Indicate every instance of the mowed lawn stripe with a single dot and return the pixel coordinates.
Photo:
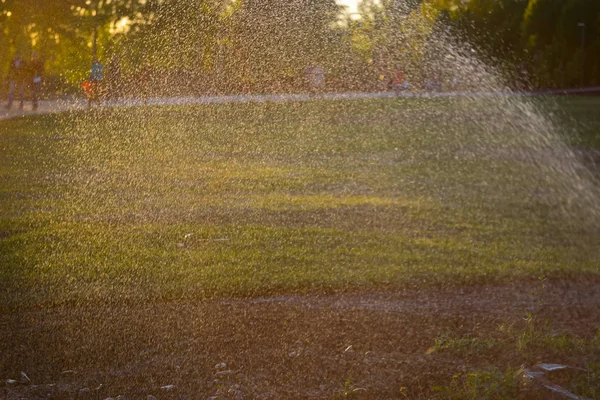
(238, 200)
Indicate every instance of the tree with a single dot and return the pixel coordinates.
(65, 32)
(275, 40)
(553, 37)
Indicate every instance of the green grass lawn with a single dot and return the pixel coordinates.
(295, 197)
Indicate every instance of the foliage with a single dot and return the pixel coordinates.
(267, 45)
(463, 345)
(536, 42)
(483, 385)
(64, 32)
(522, 344)
(276, 40)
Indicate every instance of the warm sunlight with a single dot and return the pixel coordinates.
(121, 26)
(351, 4)
(299, 199)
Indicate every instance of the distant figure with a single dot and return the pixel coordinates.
(316, 78)
(398, 81)
(428, 85)
(36, 72)
(97, 71)
(113, 72)
(145, 83)
(454, 84)
(17, 73)
(437, 83)
(93, 86)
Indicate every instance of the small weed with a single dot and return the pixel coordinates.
(588, 383)
(538, 336)
(349, 391)
(462, 345)
(483, 385)
(521, 346)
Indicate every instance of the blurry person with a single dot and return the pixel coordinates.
(36, 71)
(437, 82)
(97, 72)
(316, 78)
(319, 78)
(93, 86)
(145, 82)
(308, 74)
(398, 81)
(113, 78)
(454, 84)
(144, 78)
(17, 73)
(428, 85)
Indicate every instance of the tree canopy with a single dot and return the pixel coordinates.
(242, 45)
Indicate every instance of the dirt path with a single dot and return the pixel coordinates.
(272, 348)
(55, 106)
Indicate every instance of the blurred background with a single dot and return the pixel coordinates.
(190, 47)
